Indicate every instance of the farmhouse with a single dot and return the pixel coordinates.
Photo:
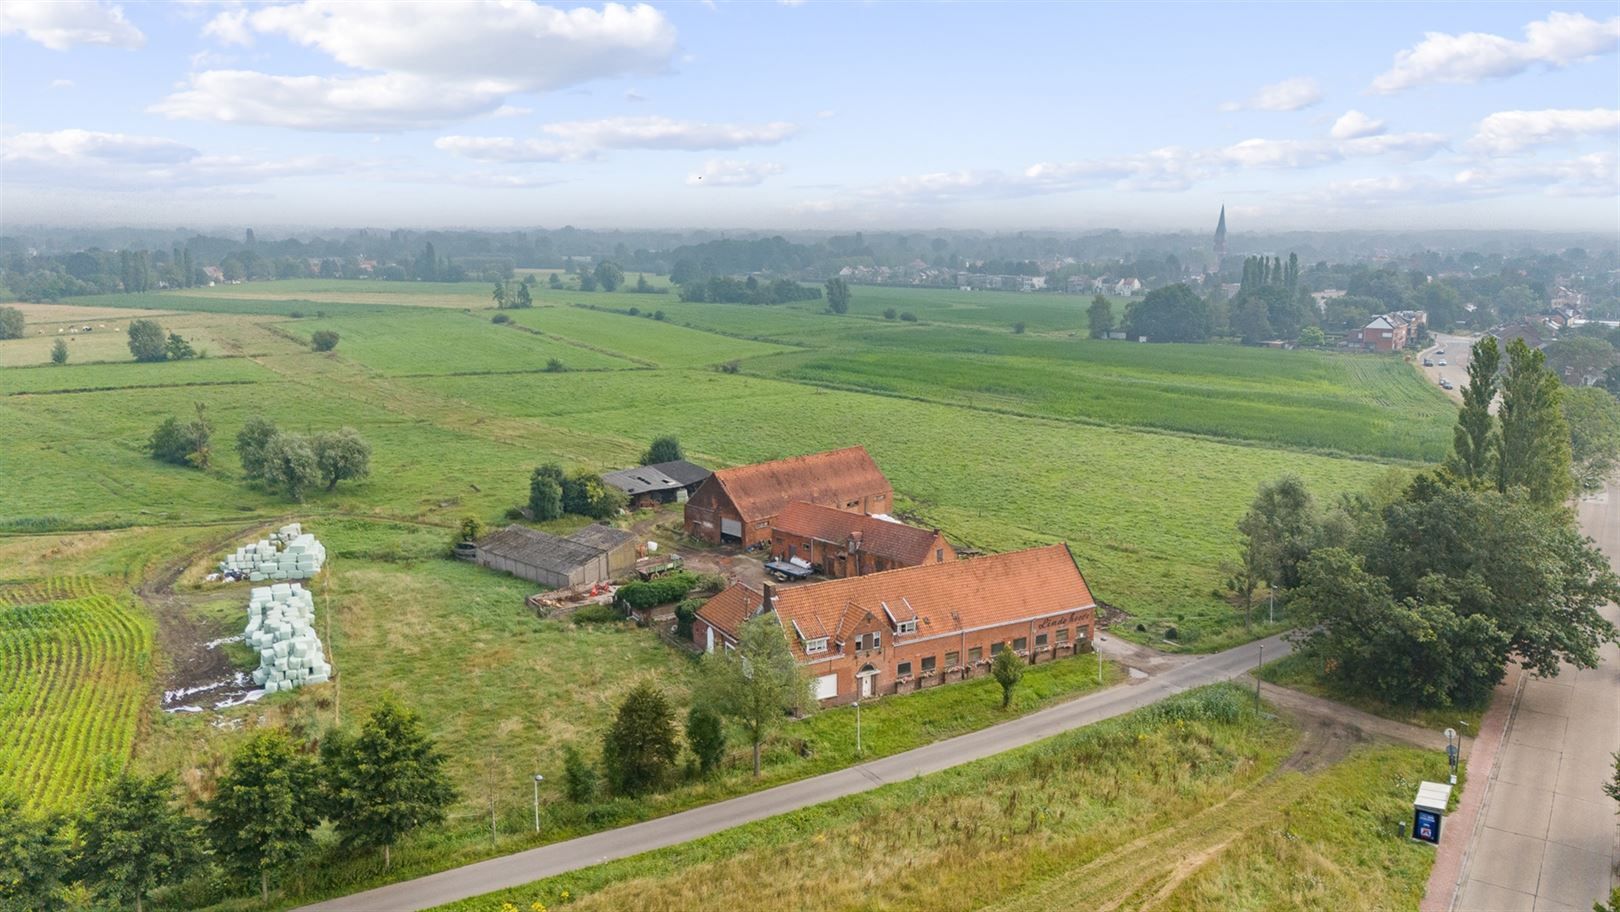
(918, 626)
(740, 504)
(662, 482)
(838, 543)
(592, 554)
(1390, 332)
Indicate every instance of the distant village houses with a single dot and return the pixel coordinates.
(1390, 332)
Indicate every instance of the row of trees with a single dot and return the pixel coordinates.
(582, 493)
(148, 343)
(374, 786)
(728, 290)
(293, 464)
(1421, 593)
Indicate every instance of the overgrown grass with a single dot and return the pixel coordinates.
(1304, 673)
(1147, 806)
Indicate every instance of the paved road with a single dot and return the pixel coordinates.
(1456, 350)
(1549, 837)
(546, 861)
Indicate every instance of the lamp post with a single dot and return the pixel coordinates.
(857, 728)
(1271, 610)
(1451, 752)
(537, 780)
(1460, 736)
(1257, 666)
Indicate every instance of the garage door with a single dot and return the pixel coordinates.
(826, 687)
(731, 527)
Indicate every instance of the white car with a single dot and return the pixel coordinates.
(1439, 351)
(1441, 362)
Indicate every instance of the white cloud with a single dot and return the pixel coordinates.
(825, 113)
(345, 104)
(727, 173)
(119, 161)
(666, 133)
(632, 95)
(1597, 174)
(61, 24)
(1555, 42)
(1354, 125)
(61, 83)
(507, 149)
(1288, 95)
(1506, 132)
(420, 64)
(230, 27)
(507, 110)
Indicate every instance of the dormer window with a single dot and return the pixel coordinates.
(817, 645)
(906, 627)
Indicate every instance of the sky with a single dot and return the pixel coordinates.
(825, 115)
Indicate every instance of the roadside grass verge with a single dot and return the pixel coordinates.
(1141, 810)
(1304, 673)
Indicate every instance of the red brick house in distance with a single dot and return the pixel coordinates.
(838, 543)
(740, 504)
(915, 627)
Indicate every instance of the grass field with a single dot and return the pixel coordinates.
(1197, 804)
(75, 671)
(1304, 673)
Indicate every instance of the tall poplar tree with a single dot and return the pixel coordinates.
(1475, 442)
(1535, 451)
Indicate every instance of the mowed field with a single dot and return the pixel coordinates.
(1198, 804)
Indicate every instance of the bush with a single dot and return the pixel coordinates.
(908, 317)
(59, 352)
(554, 366)
(177, 348)
(500, 318)
(579, 777)
(183, 444)
(585, 494)
(251, 441)
(663, 449)
(1018, 328)
(640, 596)
(323, 340)
(545, 493)
(731, 367)
(639, 748)
(711, 583)
(707, 738)
(685, 613)
(890, 313)
(472, 529)
(597, 614)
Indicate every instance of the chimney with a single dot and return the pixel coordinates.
(855, 540)
(768, 603)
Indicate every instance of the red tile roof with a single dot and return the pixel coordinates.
(727, 611)
(898, 542)
(833, 478)
(958, 595)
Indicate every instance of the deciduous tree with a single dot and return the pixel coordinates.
(384, 782)
(545, 492)
(264, 807)
(341, 455)
(34, 858)
(1100, 316)
(1008, 669)
(290, 466)
(12, 325)
(146, 340)
(1281, 527)
(609, 275)
(1535, 452)
(837, 295)
(252, 442)
(1476, 442)
(706, 735)
(59, 352)
(1170, 314)
(663, 449)
(1593, 417)
(135, 839)
(323, 340)
(757, 683)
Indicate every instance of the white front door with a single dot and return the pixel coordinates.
(866, 685)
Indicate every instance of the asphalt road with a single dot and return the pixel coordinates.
(1456, 350)
(1549, 838)
(557, 858)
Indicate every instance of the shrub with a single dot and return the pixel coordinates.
(685, 613)
(579, 777)
(555, 366)
(707, 738)
(251, 442)
(545, 493)
(663, 449)
(182, 444)
(323, 340)
(585, 494)
(59, 352)
(908, 317)
(472, 529)
(1018, 328)
(640, 596)
(500, 318)
(658, 315)
(634, 311)
(711, 583)
(731, 367)
(177, 348)
(890, 313)
(597, 614)
(639, 748)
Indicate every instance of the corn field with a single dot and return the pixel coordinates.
(74, 669)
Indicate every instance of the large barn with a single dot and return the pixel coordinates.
(918, 626)
(838, 543)
(591, 555)
(661, 482)
(740, 504)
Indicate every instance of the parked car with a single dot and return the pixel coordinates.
(1428, 363)
(1439, 351)
(1441, 362)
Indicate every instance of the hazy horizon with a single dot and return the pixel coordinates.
(786, 117)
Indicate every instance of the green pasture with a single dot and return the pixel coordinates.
(640, 339)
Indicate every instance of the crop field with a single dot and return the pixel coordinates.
(1040, 312)
(349, 291)
(1196, 804)
(435, 342)
(74, 682)
(130, 375)
(208, 333)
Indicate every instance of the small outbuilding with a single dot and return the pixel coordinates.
(838, 543)
(591, 555)
(661, 482)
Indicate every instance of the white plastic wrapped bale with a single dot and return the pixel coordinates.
(288, 554)
(281, 626)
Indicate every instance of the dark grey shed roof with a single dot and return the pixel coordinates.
(687, 473)
(662, 476)
(603, 538)
(539, 549)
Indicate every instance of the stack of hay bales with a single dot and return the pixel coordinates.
(281, 626)
(288, 554)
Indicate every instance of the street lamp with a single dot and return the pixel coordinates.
(1258, 664)
(1465, 728)
(857, 728)
(1451, 752)
(537, 780)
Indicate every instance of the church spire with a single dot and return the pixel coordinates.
(1220, 234)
